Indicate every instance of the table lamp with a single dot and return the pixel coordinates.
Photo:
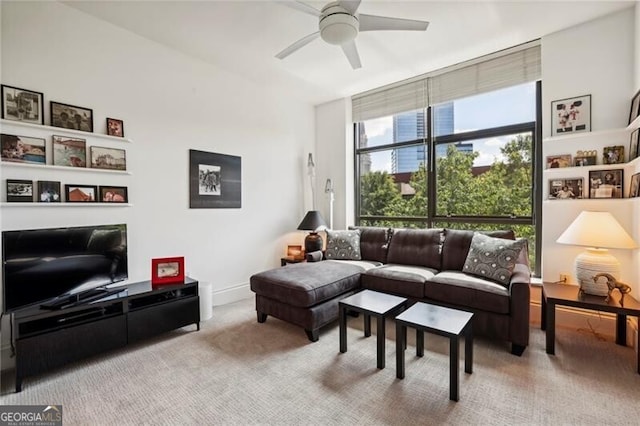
(313, 222)
(598, 231)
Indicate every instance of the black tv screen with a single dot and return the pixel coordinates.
(41, 264)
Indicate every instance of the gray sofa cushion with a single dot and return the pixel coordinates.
(374, 243)
(468, 291)
(403, 280)
(493, 258)
(456, 246)
(307, 284)
(343, 245)
(420, 247)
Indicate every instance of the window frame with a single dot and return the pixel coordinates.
(430, 142)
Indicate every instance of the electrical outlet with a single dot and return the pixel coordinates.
(564, 278)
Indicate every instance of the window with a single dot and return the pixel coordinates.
(480, 175)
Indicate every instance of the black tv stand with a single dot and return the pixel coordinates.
(67, 330)
(83, 297)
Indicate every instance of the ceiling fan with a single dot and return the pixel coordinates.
(340, 23)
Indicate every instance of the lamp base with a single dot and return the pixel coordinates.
(592, 262)
(312, 242)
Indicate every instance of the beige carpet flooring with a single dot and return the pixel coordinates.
(236, 371)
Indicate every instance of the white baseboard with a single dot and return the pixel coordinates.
(602, 322)
(233, 294)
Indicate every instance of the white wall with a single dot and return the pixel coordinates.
(334, 147)
(170, 103)
(594, 58)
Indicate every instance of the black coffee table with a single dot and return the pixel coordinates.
(369, 303)
(451, 323)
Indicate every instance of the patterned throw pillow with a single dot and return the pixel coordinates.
(343, 245)
(493, 258)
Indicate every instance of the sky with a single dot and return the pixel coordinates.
(503, 107)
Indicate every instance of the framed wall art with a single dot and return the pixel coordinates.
(71, 117)
(19, 191)
(558, 161)
(605, 183)
(108, 158)
(571, 115)
(23, 149)
(613, 154)
(635, 107)
(49, 192)
(215, 180)
(633, 144)
(115, 127)
(22, 105)
(634, 189)
(113, 194)
(80, 193)
(167, 270)
(565, 189)
(68, 151)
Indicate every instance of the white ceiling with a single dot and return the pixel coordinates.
(242, 37)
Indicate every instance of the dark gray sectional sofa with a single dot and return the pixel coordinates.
(421, 265)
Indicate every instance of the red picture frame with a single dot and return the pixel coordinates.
(167, 270)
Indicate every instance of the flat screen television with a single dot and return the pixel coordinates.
(41, 265)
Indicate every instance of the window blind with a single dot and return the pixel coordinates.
(497, 73)
(400, 98)
(518, 65)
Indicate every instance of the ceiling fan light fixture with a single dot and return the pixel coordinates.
(337, 26)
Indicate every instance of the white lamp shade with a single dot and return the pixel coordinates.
(597, 229)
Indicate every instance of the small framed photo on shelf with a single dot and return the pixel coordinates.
(23, 149)
(565, 189)
(635, 107)
(80, 193)
(167, 270)
(71, 117)
(115, 127)
(634, 189)
(571, 115)
(113, 194)
(633, 145)
(558, 161)
(584, 161)
(605, 183)
(295, 252)
(22, 105)
(49, 191)
(108, 158)
(70, 152)
(19, 191)
(613, 155)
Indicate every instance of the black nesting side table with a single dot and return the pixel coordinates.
(370, 303)
(451, 323)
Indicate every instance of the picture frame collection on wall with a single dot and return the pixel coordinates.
(27, 106)
(27, 191)
(65, 150)
(573, 115)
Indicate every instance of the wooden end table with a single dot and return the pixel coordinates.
(369, 303)
(562, 294)
(290, 259)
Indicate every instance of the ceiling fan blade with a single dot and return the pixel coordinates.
(383, 23)
(351, 51)
(350, 5)
(302, 7)
(297, 45)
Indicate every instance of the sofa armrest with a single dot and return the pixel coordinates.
(519, 306)
(314, 256)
